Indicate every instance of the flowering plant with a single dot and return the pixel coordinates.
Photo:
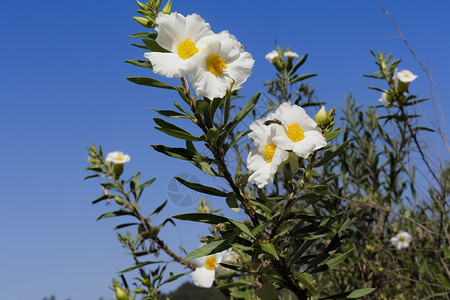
(289, 188)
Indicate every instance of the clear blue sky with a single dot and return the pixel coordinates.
(62, 87)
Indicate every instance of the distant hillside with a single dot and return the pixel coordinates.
(188, 291)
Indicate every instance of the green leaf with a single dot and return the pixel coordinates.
(150, 35)
(267, 292)
(350, 295)
(91, 176)
(306, 279)
(114, 214)
(298, 64)
(181, 153)
(330, 154)
(173, 277)
(139, 189)
(204, 108)
(332, 134)
(201, 217)
(150, 82)
(104, 197)
(139, 46)
(180, 134)
(333, 262)
(110, 185)
(376, 89)
(211, 248)
(171, 114)
(260, 205)
(241, 295)
(270, 248)
(259, 229)
(158, 209)
(240, 116)
(140, 265)
(125, 225)
(202, 188)
(140, 63)
(153, 46)
(423, 128)
(301, 78)
(238, 171)
(167, 125)
(226, 107)
(232, 202)
(243, 228)
(237, 283)
(236, 139)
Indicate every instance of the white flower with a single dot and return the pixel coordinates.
(300, 133)
(405, 76)
(401, 240)
(181, 36)
(290, 54)
(272, 55)
(223, 64)
(208, 267)
(265, 157)
(383, 98)
(117, 157)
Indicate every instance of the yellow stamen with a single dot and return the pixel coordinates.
(269, 151)
(406, 75)
(210, 263)
(401, 239)
(119, 158)
(295, 132)
(215, 64)
(187, 49)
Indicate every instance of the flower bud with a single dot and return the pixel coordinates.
(167, 8)
(322, 117)
(118, 200)
(307, 176)
(142, 5)
(145, 22)
(121, 294)
(118, 169)
(206, 239)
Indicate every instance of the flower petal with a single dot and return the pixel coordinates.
(283, 142)
(171, 30)
(241, 68)
(312, 141)
(196, 28)
(203, 277)
(167, 64)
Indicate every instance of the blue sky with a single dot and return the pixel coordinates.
(63, 86)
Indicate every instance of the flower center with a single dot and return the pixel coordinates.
(269, 151)
(210, 263)
(406, 75)
(186, 49)
(119, 158)
(215, 64)
(401, 239)
(295, 133)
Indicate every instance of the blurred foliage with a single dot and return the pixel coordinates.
(188, 291)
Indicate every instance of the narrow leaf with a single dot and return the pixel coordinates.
(150, 82)
(202, 188)
(243, 228)
(140, 63)
(201, 217)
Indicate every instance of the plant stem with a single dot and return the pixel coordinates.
(147, 227)
(280, 266)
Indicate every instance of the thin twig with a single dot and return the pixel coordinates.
(442, 132)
